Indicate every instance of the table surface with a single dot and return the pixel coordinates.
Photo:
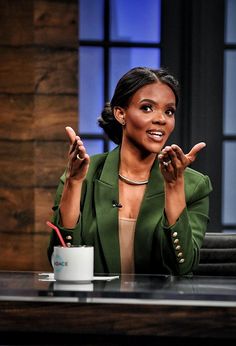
(126, 310)
(126, 289)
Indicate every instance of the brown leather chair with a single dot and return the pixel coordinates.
(218, 255)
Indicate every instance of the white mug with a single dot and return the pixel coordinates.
(75, 264)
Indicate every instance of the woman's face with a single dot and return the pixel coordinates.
(150, 117)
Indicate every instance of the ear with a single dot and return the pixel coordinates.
(119, 114)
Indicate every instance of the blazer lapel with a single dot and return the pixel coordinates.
(151, 211)
(106, 190)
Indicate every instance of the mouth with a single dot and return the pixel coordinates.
(156, 135)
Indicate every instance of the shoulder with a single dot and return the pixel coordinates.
(193, 175)
(197, 183)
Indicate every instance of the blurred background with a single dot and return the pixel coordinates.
(59, 63)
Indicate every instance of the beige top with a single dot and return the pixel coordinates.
(126, 238)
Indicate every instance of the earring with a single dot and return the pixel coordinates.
(123, 121)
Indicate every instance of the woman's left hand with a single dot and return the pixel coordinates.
(173, 161)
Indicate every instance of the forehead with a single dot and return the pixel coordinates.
(157, 92)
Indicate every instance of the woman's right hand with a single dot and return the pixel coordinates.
(78, 159)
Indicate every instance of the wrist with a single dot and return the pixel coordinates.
(71, 183)
(175, 184)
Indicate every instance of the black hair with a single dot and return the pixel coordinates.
(126, 87)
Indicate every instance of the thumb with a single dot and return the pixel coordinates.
(71, 134)
(194, 151)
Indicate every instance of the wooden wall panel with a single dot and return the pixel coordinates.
(56, 25)
(38, 98)
(17, 211)
(17, 164)
(23, 251)
(60, 110)
(54, 22)
(17, 70)
(17, 118)
(38, 70)
(43, 208)
(16, 22)
(23, 116)
(56, 71)
(50, 162)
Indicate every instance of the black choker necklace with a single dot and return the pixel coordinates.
(132, 182)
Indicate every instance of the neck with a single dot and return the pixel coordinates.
(134, 165)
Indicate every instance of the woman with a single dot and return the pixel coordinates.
(140, 206)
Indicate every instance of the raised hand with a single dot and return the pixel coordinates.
(173, 161)
(78, 159)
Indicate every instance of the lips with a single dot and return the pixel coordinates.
(156, 135)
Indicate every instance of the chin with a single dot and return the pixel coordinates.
(155, 149)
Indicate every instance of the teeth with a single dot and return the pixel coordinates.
(156, 133)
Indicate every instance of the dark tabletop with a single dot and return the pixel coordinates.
(142, 289)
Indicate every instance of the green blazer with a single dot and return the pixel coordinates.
(158, 248)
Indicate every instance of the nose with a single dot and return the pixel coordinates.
(159, 118)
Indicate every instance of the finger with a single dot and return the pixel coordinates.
(179, 153)
(79, 168)
(171, 159)
(80, 152)
(165, 165)
(71, 134)
(83, 159)
(194, 151)
(163, 158)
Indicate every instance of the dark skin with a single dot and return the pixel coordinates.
(147, 123)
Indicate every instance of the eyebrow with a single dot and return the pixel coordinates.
(172, 104)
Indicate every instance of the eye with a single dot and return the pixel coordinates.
(170, 112)
(147, 108)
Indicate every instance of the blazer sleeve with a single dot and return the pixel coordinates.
(71, 236)
(180, 244)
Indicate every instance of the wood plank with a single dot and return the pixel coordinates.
(56, 71)
(24, 251)
(17, 164)
(16, 23)
(180, 324)
(38, 70)
(40, 116)
(44, 200)
(25, 164)
(44, 22)
(50, 162)
(26, 209)
(52, 113)
(17, 210)
(17, 70)
(55, 23)
(17, 110)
